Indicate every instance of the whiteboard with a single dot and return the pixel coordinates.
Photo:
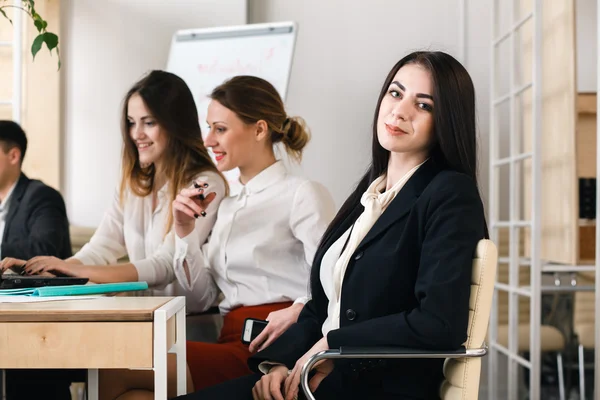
(205, 58)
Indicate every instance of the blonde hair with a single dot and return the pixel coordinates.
(254, 99)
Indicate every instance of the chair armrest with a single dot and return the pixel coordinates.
(381, 352)
(403, 352)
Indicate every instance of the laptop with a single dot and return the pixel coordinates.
(14, 278)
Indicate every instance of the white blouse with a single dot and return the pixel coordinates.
(135, 230)
(262, 245)
(326, 275)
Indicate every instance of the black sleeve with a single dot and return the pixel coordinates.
(454, 224)
(47, 223)
(294, 342)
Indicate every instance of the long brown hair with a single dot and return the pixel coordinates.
(253, 99)
(171, 103)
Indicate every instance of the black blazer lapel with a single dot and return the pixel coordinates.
(403, 201)
(15, 199)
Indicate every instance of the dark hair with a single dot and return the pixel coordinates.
(12, 135)
(253, 99)
(454, 127)
(171, 103)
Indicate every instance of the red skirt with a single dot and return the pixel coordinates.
(214, 363)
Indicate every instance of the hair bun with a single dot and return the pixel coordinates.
(295, 135)
(285, 128)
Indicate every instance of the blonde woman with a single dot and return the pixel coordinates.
(261, 249)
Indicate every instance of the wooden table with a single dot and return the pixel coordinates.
(93, 334)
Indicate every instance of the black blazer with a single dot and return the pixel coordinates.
(407, 285)
(37, 223)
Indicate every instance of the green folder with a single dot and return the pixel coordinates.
(76, 290)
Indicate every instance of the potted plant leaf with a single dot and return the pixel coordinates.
(44, 36)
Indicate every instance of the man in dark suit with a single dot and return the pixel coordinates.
(33, 222)
(33, 217)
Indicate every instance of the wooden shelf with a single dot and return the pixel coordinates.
(568, 148)
(586, 103)
(586, 135)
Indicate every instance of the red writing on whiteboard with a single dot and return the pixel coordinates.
(269, 53)
(236, 67)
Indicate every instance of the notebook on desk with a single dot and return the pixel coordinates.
(76, 290)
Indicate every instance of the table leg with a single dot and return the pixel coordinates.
(180, 349)
(92, 384)
(160, 354)
(3, 384)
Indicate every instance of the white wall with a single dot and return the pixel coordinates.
(342, 57)
(106, 46)
(587, 42)
(478, 32)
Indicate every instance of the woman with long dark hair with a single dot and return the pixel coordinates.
(394, 266)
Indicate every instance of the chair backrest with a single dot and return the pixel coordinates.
(462, 374)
